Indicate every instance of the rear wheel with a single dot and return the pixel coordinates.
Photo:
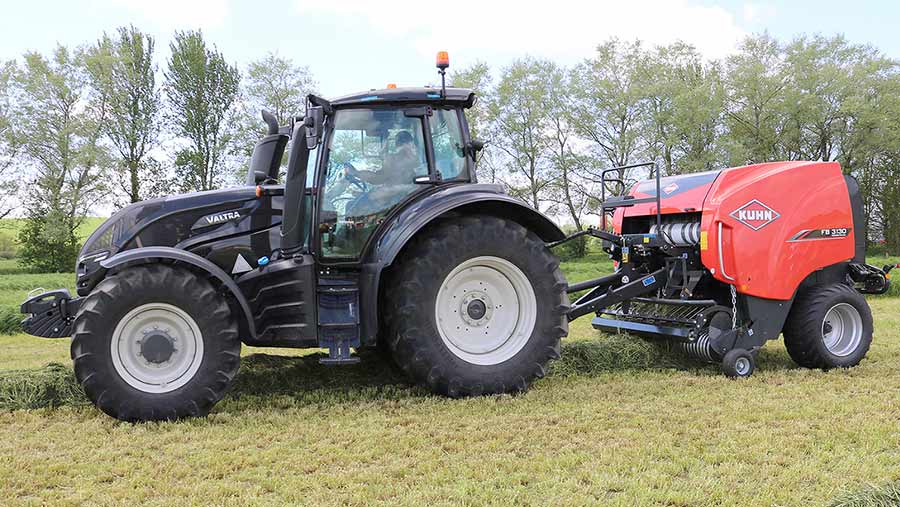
(829, 327)
(155, 342)
(477, 305)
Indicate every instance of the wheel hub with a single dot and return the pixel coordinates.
(476, 309)
(742, 366)
(157, 347)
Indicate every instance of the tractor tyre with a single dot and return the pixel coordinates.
(476, 305)
(155, 342)
(829, 326)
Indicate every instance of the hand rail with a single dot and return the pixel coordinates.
(604, 180)
(721, 258)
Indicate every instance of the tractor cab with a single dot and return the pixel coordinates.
(379, 150)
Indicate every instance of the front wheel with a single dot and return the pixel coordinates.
(155, 342)
(476, 305)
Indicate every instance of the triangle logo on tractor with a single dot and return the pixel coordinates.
(755, 215)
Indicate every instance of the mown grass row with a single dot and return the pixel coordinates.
(302, 380)
(884, 495)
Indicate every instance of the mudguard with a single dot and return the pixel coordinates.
(465, 199)
(146, 254)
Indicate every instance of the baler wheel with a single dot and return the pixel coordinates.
(830, 326)
(738, 363)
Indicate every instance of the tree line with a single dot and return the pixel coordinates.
(552, 129)
(102, 123)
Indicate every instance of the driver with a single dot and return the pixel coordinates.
(399, 168)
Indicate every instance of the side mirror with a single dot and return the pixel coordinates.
(474, 146)
(314, 122)
(428, 179)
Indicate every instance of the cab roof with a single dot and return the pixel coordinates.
(456, 96)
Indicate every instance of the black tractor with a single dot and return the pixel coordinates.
(379, 236)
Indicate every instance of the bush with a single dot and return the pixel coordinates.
(8, 247)
(570, 250)
(48, 246)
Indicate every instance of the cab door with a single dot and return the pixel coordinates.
(373, 157)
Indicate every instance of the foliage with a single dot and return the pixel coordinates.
(274, 84)
(280, 86)
(59, 129)
(48, 244)
(10, 175)
(123, 76)
(202, 88)
(521, 127)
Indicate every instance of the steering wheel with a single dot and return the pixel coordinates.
(349, 176)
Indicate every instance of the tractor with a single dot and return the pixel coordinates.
(381, 236)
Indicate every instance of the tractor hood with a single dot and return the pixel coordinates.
(164, 221)
(679, 194)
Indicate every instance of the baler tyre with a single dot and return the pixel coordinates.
(155, 342)
(477, 305)
(738, 363)
(829, 326)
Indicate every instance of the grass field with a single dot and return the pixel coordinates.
(617, 422)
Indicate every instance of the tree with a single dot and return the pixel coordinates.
(521, 128)
(9, 173)
(755, 83)
(202, 89)
(681, 108)
(123, 75)
(477, 77)
(59, 129)
(279, 86)
(275, 84)
(607, 103)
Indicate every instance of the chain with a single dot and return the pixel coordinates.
(733, 308)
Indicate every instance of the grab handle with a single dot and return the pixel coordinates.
(721, 257)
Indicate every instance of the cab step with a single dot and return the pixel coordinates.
(338, 301)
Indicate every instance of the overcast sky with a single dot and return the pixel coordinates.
(355, 45)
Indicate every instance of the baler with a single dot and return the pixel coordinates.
(722, 261)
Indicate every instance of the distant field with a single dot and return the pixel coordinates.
(9, 232)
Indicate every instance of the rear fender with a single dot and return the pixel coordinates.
(155, 253)
(465, 199)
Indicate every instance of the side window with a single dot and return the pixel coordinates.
(449, 152)
(374, 157)
(311, 168)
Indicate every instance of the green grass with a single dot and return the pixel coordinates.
(617, 421)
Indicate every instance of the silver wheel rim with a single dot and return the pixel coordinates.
(156, 348)
(742, 366)
(486, 310)
(842, 329)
